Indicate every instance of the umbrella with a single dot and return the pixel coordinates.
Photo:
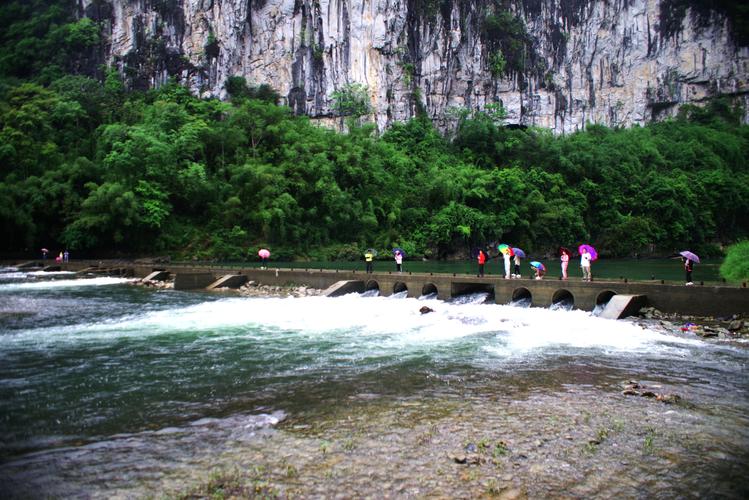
(372, 251)
(263, 253)
(45, 250)
(505, 249)
(566, 250)
(538, 265)
(591, 251)
(691, 256)
(399, 250)
(518, 252)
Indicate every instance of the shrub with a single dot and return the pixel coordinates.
(735, 267)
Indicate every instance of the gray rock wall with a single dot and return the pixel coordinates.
(607, 61)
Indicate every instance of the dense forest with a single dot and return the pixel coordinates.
(92, 166)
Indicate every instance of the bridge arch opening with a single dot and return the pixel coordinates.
(371, 289)
(429, 291)
(400, 289)
(521, 297)
(562, 299)
(602, 299)
(472, 293)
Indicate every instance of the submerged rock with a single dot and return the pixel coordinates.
(634, 388)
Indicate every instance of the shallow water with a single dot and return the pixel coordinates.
(108, 389)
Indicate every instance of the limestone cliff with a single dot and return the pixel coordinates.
(552, 63)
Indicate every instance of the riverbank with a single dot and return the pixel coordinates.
(128, 392)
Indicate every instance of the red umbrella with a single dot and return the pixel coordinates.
(563, 250)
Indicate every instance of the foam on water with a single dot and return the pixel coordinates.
(41, 285)
(51, 273)
(369, 324)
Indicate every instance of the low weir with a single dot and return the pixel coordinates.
(699, 300)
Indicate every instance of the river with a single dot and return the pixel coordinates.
(113, 390)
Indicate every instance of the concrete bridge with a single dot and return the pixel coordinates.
(699, 300)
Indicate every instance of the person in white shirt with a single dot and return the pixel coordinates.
(506, 256)
(585, 265)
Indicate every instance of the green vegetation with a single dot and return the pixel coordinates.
(736, 265)
(89, 165)
(352, 100)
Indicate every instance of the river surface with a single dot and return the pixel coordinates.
(112, 390)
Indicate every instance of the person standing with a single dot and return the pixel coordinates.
(398, 261)
(516, 274)
(482, 261)
(565, 258)
(368, 258)
(66, 256)
(688, 266)
(506, 257)
(585, 265)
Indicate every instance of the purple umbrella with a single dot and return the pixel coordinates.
(518, 252)
(590, 249)
(399, 250)
(691, 256)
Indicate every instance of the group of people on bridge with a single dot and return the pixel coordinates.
(513, 255)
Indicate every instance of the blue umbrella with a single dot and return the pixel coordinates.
(398, 249)
(518, 252)
(538, 265)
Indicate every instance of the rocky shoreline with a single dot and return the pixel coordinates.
(731, 328)
(249, 289)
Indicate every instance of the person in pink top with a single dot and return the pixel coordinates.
(565, 258)
(398, 261)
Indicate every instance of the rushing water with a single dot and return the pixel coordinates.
(108, 389)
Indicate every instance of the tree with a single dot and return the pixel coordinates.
(735, 267)
(352, 100)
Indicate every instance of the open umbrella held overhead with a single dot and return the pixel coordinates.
(517, 251)
(592, 251)
(689, 255)
(505, 249)
(400, 251)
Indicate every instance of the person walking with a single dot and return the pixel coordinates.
(368, 258)
(482, 261)
(585, 258)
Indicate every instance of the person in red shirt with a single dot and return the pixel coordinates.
(482, 261)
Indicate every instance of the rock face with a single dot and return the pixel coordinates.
(552, 63)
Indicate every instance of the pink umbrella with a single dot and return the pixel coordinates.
(591, 251)
(264, 253)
